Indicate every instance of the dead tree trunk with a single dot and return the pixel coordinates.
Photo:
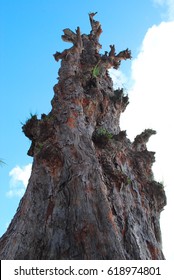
(91, 194)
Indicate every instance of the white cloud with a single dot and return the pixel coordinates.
(152, 72)
(151, 106)
(19, 180)
(169, 5)
(118, 78)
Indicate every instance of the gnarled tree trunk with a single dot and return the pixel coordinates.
(91, 194)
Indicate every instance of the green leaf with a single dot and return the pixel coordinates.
(95, 71)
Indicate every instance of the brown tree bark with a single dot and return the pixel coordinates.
(91, 194)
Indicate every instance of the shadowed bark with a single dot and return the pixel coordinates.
(91, 194)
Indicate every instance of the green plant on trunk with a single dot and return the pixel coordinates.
(104, 132)
(101, 136)
(162, 184)
(32, 117)
(39, 147)
(48, 117)
(96, 70)
(129, 181)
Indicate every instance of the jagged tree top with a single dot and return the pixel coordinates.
(90, 44)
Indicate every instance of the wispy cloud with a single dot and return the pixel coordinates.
(151, 106)
(19, 180)
(118, 78)
(169, 4)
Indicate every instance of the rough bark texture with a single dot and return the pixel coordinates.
(91, 194)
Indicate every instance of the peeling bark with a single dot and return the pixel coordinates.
(91, 194)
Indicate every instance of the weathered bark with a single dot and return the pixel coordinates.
(91, 194)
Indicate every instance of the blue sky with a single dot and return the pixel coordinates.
(30, 33)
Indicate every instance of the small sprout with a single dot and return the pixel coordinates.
(162, 184)
(96, 70)
(39, 146)
(129, 180)
(47, 117)
(33, 116)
